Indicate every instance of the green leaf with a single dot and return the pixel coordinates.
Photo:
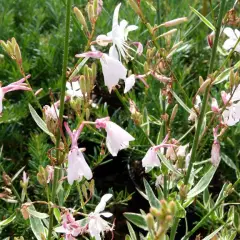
(203, 183)
(181, 212)
(57, 214)
(209, 237)
(223, 76)
(203, 19)
(167, 163)
(36, 225)
(137, 219)
(179, 100)
(228, 161)
(127, 237)
(17, 174)
(39, 121)
(78, 68)
(131, 231)
(37, 214)
(8, 220)
(153, 201)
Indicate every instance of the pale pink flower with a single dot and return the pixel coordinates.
(129, 83)
(225, 97)
(73, 89)
(215, 153)
(117, 138)
(231, 115)
(214, 105)
(70, 227)
(151, 159)
(50, 171)
(113, 69)
(233, 37)
(18, 85)
(77, 165)
(97, 225)
(25, 178)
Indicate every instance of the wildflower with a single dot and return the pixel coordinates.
(25, 178)
(73, 89)
(117, 138)
(113, 69)
(151, 158)
(118, 35)
(97, 225)
(18, 85)
(233, 37)
(77, 166)
(197, 105)
(214, 105)
(215, 153)
(69, 227)
(129, 83)
(50, 171)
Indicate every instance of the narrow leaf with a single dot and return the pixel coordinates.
(131, 231)
(153, 201)
(8, 220)
(203, 183)
(57, 214)
(203, 19)
(39, 121)
(17, 174)
(37, 214)
(209, 237)
(137, 219)
(228, 161)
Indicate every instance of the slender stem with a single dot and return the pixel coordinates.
(81, 197)
(63, 87)
(200, 121)
(206, 94)
(203, 219)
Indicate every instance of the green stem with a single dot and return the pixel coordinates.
(63, 87)
(201, 118)
(203, 219)
(206, 95)
(174, 228)
(81, 197)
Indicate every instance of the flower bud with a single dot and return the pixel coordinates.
(174, 113)
(201, 81)
(164, 205)
(146, 67)
(82, 82)
(18, 54)
(24, 210)
(210, 39)
(169, 33)
(183, 192)
(231, 78)
(172, 207)
(42, 176)
(87, 112)
(174, 22)
(203, 86)
(80, 18)
(214, 106)
(90, 12)
(154, 211)
(134, 6)
(150, 221)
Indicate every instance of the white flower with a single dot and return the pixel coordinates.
(117, 138)
(151, 159)
(231, 115)
(113, 70)
(98, 225)
(73, 89)
(77, 166)
(129, 83)
(51, 113)
(118, 35)
(232, 40)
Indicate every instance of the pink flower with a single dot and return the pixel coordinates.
(70, 227)
(151, 159)
(214, 105)
(25, 178)
(18, 85)
(215, 153)
(117, 138)
(77, 165)
(50, 171)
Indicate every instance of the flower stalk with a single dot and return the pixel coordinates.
(63, 88)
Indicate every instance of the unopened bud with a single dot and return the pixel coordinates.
(172, 207)
(87, 112)
(90, 12)
(6, 179)
(150, 221)
(80, 18)
(4, 45)
(18, 54)
(174, 113)
(24, 210)
(38, 91)
(210, 39)
(203, 86)
(146, 67)
(150, 28)
(164, 205)
(201, 81)
(82, 82)
(174, 22)
(231, 78)
(154, 211)
(169, 33)
(134, 6)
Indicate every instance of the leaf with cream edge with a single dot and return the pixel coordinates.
(202, 183)
(153, 201)
(137, 219)
(8, 220)
(39, 120)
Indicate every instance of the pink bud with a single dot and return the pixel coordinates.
(210, 39)
(101, 122)
(93, 54)
(225, 97)
(215, 153)
(214, 105)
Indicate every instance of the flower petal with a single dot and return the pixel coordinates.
(229, 32)
(102, 204)
(129, 83)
